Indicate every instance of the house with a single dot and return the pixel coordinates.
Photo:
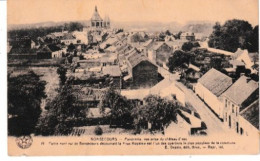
(24, 42)
(159, 52)
(210, 87)
(243, 56)
(110, 59)
(115, 74)
(68, 39)
(49, 51)
(109, 42)
(81, 36)
(187, 36)
(169, 38)
(141, 71)
(237, 98)
(22, 53)
(249, 119)
(87, 97)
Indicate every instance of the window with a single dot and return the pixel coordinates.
(233, 111)
(241, 131)
(225, 103)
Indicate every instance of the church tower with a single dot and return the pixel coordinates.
(107, 22)
(96, 20)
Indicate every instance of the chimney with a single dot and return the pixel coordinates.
(248, 79)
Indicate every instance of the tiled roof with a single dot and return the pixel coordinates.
(53, 47)
(136, 58)
(112, 71)
(215, 81)
(241, 90)
(88, 94)
(68, 37)
(238, 53)
(251, 114)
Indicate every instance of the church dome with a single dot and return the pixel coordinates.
(96, 16)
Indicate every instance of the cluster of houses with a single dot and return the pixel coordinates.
(230, 100)
(106, 57)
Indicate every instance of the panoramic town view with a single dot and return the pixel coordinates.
(99, 77)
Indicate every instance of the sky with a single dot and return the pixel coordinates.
(181, 11)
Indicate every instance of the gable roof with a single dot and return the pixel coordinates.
(241, 90)
(215, 81)
(53, 47)
(112, 71)
(136, 58)
(68, 36)
(238, 53)
(251, 114)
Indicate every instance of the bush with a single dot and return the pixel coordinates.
(98, 130)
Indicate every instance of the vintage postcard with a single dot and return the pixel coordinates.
(132, 77)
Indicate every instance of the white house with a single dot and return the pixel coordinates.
(210, 86)
(236, 99)
(68, 39)
(243, 56)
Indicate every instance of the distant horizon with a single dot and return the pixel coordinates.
(28, 12)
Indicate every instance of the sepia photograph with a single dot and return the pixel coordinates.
(132, 77)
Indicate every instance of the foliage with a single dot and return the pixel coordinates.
(120, 107)
(178, 59)
(234, 34)
(25, 93)
(137, 37)
(187, 46)
(178, 35)
(62, 74)
(62, 114)
(98, 130)
(167, 32)
(73, 26)
(158, 111)
(34, 33)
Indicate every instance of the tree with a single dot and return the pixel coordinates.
(25, 93)
(73, 26)
(62, 114)
(232, 35)
(167, 32)
(178, 35)
(187, 46)
(254, 41)
(120, 107)
(62, 74)
(158, 111)
(178, 59)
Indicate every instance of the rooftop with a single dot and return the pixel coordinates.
(241, 90)
(112, 70)
(251, 114)
(215, 81)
